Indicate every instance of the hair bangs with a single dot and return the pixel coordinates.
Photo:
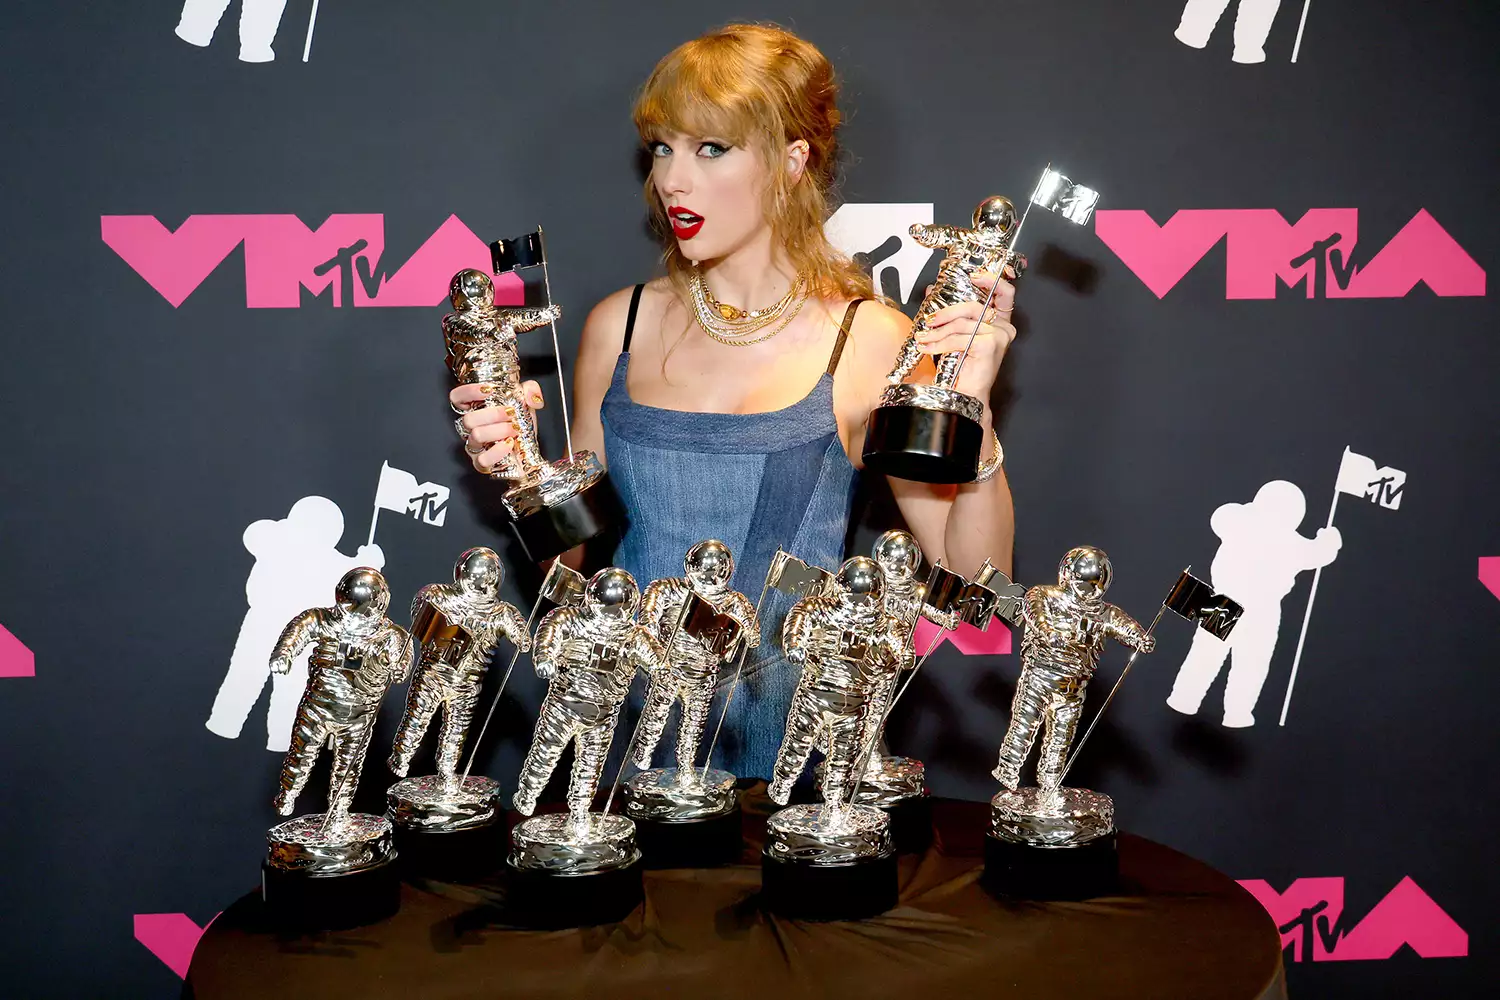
(702, 97)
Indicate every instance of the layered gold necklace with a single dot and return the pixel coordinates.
(737, 327)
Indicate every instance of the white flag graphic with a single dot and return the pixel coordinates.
(1073, 202)
(399, 491)
(1358, 476)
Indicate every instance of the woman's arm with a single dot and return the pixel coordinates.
(961, 525)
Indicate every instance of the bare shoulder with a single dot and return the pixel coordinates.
(876, 335)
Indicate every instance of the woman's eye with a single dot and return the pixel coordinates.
(712, 150)
(659, 148)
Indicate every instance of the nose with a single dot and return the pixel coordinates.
(674, 176)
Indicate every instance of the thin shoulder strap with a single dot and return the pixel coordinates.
(635, 304)
(838, 345)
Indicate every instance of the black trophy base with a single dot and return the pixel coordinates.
(543, 900)
(925, 446)
(911, 823)
(298, 901)
(462, 855)
(1027, 871)
(553, 530)
(699, 843)
(802, 891)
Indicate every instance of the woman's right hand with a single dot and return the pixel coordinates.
(490, 430)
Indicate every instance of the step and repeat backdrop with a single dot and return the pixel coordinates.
(1272, 356)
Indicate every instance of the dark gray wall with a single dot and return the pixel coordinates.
(141, 439)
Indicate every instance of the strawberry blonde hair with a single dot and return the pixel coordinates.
(759, 87)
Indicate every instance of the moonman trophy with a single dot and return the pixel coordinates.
(933, 433)
(334, 869)
(1051, 841)
(581, 867)
(689, 817)
(552, 506)
(834, 860)
(447, 824)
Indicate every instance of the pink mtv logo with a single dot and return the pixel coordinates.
(967, 639)
(1310, 916)
(171, 937)
(1489, 574)
(1262, 248)
(16, 660)
(283, 256)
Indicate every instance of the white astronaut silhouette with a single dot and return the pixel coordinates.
(259, 20)
(1256, 565)
(297, 565)
(1252, 25)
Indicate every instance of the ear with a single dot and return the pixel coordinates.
(796, 159)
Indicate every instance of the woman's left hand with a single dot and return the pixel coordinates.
(950, 328)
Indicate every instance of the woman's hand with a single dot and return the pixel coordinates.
(949, 330)
(488, 431)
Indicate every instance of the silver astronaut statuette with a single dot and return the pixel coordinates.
(481, 344)
(1066, 628)
(588, 653)
(458, 626)
(932, 432)
(702, 622)
(358, 653)
(887, 779)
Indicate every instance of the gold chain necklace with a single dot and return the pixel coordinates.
(734, 327)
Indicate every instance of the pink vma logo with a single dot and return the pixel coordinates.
(283, 255)
(1317, 252)
(1310, 916)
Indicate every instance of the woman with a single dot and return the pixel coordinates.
(730, 397)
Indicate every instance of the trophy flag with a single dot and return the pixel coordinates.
(530, 250)
(796, 578)
(1358, 476)
(1196, 601)
(399, 491)
(1073, 202)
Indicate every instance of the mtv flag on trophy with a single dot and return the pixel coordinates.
(1359, 477)
(1073, 202)
(399, 491)
(1196, 601)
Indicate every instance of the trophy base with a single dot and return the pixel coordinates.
(1034, 871)
(897, 787)
(546, 531)
(1057, 844)
(681, 824)
(924, 444)
(345, 878)
(911, 822)
(828, 864)
(447, 829)
(559, 876)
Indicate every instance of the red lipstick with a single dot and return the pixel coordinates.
(685, 222)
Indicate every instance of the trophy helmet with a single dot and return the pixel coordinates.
(860, 581)
(1085, 571)
(709, 565)
(363, 591)
(479, 572)
(995, 212)
(612, 591)
(898, 554)
(471, 289)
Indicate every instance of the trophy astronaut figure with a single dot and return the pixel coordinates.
(358, 654)
(459, 625)
(837, 859)
(693, 666)
(1050, 841)
(588, 654)
(1066, 627)
(553, 505)
(982, 248)
(702, 622)
(887, 778)
(464, 622)
(849, 648)
(481, 340)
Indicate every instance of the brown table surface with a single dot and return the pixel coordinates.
(1177, 928)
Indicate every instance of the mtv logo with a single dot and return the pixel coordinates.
(881, 233)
